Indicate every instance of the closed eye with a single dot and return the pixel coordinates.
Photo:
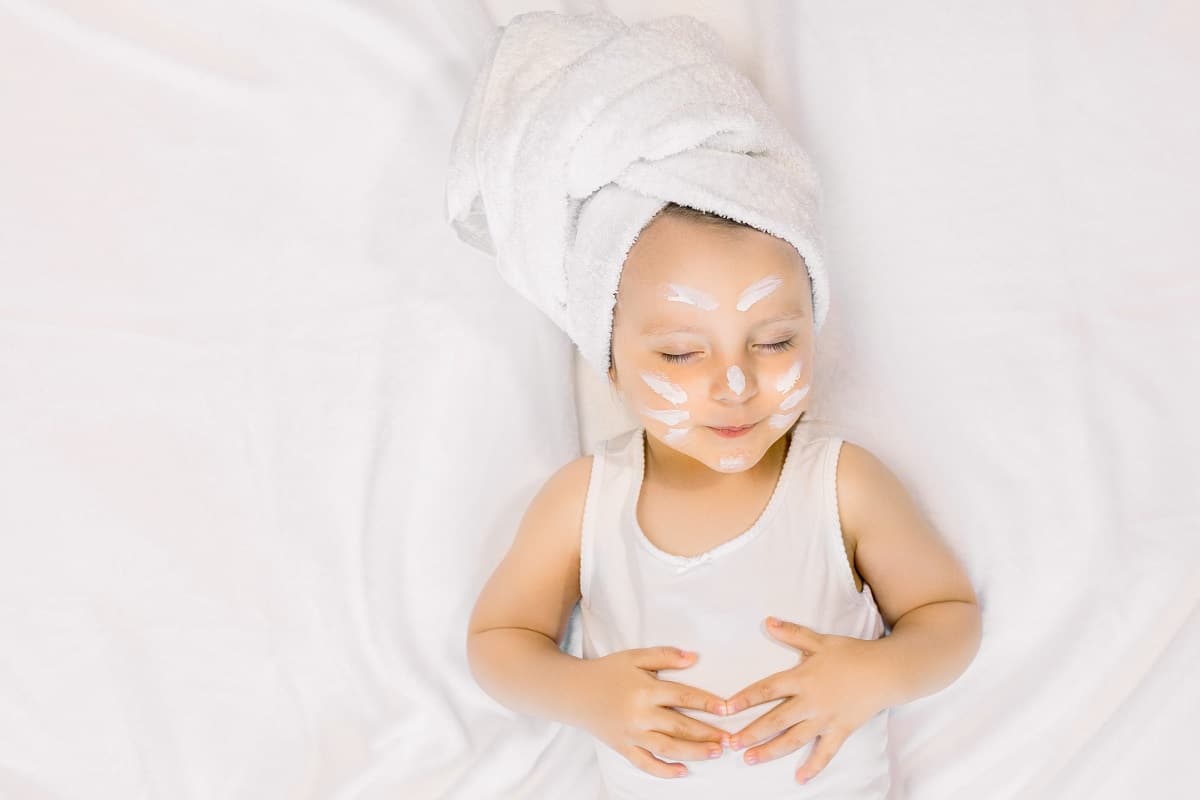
(774, 347)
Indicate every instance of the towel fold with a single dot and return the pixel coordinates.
(580, 128)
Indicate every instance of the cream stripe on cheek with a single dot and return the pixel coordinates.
(695, 297)
(789, 378)
(782, 420)
(675, 435)
(672, 417)
(737, 380)
(664, 388)
(779, 421)
(757, 291)
(793, 398)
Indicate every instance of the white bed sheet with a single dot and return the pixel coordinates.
(267, 424)
(264, 419)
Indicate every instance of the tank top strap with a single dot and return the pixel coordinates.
(822, 494)
(613, 461)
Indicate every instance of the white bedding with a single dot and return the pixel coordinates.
(266, 425)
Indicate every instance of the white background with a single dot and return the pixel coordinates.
(266, 424)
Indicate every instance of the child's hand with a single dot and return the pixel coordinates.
(836, 688)
(633, 711)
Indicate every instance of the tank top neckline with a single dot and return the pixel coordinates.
(681, 562)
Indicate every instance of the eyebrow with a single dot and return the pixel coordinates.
(660, 329)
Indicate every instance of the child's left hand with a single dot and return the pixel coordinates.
(838, 686)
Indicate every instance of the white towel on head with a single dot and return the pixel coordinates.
(580, 128)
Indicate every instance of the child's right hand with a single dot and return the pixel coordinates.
(632, 711)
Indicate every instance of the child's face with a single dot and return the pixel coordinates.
(713, 329)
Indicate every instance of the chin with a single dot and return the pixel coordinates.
(736, 462)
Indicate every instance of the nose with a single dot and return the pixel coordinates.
(733, 385)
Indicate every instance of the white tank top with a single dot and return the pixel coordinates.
(791, 563)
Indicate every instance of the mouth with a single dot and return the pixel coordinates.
(730, 433)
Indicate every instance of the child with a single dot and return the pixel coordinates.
(735, 571)
(722, 529)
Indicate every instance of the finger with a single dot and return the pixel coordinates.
(681, 695)
(680, 749)
(644, 760)
(797, 636)
(789, 741)
(773, 687)
(828, 743)
(779, 718)
(681, 726)
(656, 658)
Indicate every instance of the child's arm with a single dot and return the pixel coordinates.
(923, 595)
(520, 618)
(923, 592)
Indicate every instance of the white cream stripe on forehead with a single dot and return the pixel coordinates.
(695, 297)
(757, 291)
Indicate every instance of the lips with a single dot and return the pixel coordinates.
(740, 430)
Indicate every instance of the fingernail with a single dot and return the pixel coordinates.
(734, 744)
(724, 741)
(714, 752)
(682, 771)
(751, 758)
(774, 623)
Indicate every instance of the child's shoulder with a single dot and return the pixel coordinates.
(859, 471)
(865, 486)
(563, 496)
(559, 503)
(572, 477)
(567, 487)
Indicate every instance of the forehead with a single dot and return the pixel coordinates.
(708, 264)
(660, 325)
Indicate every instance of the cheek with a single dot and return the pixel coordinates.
(660, 398)
(789, 379)
(676, 436)
(791, 387)
(662, 388)
(735, 463)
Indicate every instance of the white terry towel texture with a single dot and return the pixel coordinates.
(580, 128)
